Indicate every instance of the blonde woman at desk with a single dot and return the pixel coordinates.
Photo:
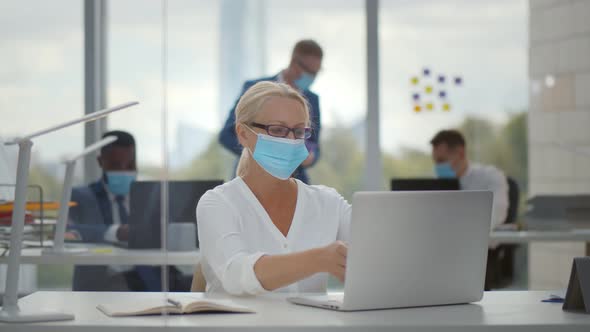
(265, 231)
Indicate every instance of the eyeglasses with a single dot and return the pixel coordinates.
(282, 131)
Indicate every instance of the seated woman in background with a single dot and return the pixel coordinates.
(263, 230)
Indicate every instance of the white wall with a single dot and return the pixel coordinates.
(559, 121)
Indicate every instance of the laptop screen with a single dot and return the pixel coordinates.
(424, 184)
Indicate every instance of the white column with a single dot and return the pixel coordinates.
(373, 174)
(95, 63)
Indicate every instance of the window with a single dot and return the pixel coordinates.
(484, 46)
(339, 27)
(41, 83)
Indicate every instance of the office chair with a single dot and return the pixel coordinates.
(500, 265)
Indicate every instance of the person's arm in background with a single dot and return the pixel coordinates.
(313, 143)
(227, 136)
(88, 232)
(85, 218)
(499, 186)
(116, 233)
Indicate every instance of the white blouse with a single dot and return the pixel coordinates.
(235, 231)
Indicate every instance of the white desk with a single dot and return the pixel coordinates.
(108, 255)
(499, 311)
(573, 235)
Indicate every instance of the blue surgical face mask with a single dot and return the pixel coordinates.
(280, 157)
(119, 183)
(304, 81)
(444, 171)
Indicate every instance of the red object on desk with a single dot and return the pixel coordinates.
(6, 218)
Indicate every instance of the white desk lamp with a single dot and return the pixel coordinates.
(64, 207)
(10, 312)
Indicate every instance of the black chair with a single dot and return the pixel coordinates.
(513, 200)
(500, 265)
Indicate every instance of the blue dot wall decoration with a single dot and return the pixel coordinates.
(432, 90)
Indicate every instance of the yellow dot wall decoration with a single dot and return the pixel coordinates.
(432, 91)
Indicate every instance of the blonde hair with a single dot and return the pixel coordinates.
(252, 102)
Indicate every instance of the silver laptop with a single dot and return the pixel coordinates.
(411, 249)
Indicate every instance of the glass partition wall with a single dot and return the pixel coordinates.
(185, 62)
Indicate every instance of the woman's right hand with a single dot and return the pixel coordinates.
(332, 259)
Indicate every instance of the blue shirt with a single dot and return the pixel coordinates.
(228, 138)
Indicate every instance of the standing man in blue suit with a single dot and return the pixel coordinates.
(102, 213)
(306, 62)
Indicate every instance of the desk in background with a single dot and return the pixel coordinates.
(103, 254)
(100, 254)
(544, 261)
(516, 237)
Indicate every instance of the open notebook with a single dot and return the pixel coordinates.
(177, 305)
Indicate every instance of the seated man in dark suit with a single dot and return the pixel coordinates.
(101, 216)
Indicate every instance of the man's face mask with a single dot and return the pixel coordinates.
(444, 170)
(304, 81)
(119, 182)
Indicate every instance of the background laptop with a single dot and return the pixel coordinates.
(144, 205)
(424, 184)
(410, 249)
